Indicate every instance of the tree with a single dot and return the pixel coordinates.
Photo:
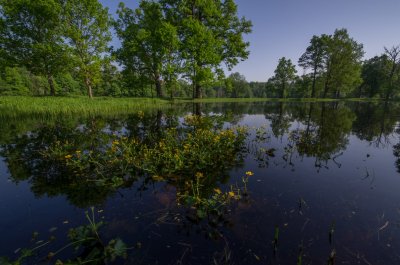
(314, 58)
(210, 33)
(88, 32)
(258, 89)
(393, 55)
(31, 36)
(239, 86)
(3, 53)
(342, 63)
(285, 74)
(149, 42)
(375, 76)
(14, 82)
(301, 86)
(68, 85)
(110, 84)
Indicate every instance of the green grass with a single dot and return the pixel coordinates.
(52, 106)
(18, 106)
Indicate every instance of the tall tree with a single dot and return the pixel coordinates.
(239, 85)
(393, 55)
(285, 74)
(3, 54)
(375, 77)
(149, 42)
(342, 63)
(31, 36)
(88, 32)
(314, 58)
(211, 33)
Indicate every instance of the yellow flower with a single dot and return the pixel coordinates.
(231, 194)
(157, 178)
(249, 173)
(199, 175)
(68, 156)
(115, 142)
(77, 151)
(218, 191)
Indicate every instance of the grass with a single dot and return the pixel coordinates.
(52, 106)
(18, 106)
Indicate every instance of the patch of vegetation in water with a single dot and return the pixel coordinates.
(192, 157)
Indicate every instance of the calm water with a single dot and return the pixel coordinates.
(326, 175)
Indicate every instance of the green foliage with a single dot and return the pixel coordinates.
(111, 81)
(15, 82)
(258, 89)
(87, 238)
(210, 33)
(198, 150)
(68, 85)
(375, 72)
(342, 63)
(67, 107)
(149, 44)
(32, 36)
(88, 33)
(238, 86)
(303, 87)
(285, 74)
(393, 86)
(335, 61)
(314, 58)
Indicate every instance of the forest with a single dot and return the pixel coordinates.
(171, 49)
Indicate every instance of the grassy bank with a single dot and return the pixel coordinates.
(10, 106)
(20, 106)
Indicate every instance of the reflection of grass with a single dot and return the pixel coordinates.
(216, 100)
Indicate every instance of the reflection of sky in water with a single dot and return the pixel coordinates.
(22, 214)
(358, 193)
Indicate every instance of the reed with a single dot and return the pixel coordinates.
(55, 106)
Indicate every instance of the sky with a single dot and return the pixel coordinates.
(283, 28)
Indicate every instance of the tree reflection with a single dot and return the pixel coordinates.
(375, 122)
(322, 134)
(89, 161)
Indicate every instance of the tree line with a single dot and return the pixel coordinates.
(170, 48)
(167, 46)
(334, 67)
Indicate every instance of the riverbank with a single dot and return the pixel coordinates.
(18, 105)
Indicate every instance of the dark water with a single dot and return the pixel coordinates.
(326, 175)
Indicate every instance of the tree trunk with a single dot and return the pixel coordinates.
(51, 85)
(328, 77)
(313, 84)
(157, 82)
(88, 87)
(283, 90)
(198, 92)
(326, 88)
(337, 93)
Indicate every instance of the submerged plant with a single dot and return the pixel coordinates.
(86, 241)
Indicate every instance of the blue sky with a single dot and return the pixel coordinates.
(285, 27)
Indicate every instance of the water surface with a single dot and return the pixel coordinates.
(326, 175)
